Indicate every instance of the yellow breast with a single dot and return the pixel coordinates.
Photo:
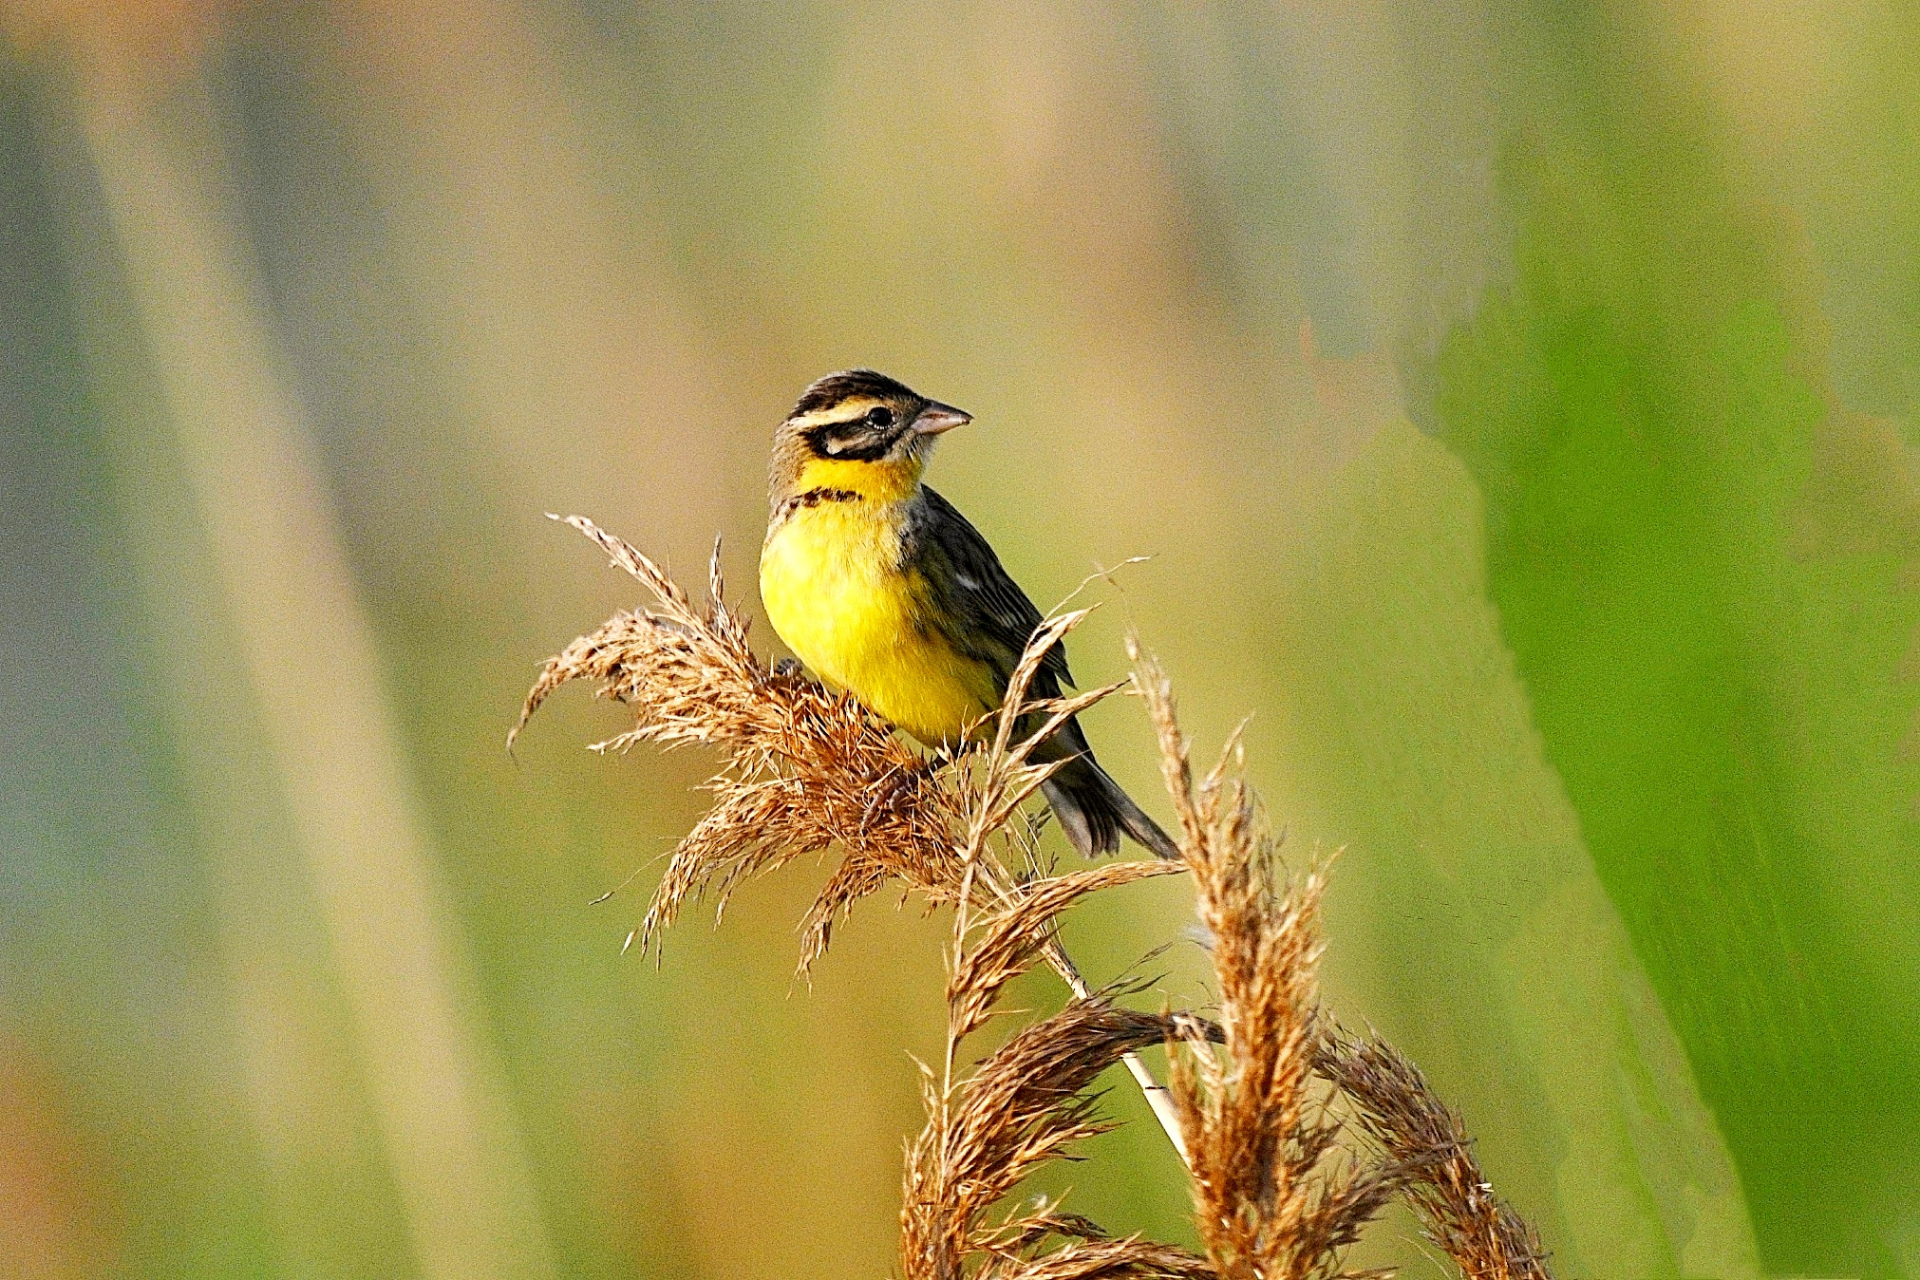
(833, 589)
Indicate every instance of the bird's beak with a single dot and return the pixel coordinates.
(937, 417)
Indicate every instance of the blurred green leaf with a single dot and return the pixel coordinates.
(1704, 566)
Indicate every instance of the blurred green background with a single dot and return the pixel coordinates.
(1518, 399)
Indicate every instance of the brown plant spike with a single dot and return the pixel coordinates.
(802, 767)
(1483, 1235)
(1010, 937)
(1025, 1105)
(1277, 1196)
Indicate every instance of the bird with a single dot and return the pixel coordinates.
(884, 590)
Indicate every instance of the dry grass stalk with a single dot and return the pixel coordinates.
(802, 768)
(1277, 1195)
(1483, 1235)
(1010, 937)
(1028, 1102)
(1280, 1192)
(1021, 1107)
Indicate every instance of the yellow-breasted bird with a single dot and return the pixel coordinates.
(880, 586)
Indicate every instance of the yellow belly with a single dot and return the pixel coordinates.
(828, 581)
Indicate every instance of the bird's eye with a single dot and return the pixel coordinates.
(880, 416)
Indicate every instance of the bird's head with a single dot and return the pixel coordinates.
(860, 431)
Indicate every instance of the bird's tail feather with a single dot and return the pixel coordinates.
(1095, 812)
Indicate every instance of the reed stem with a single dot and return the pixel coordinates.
(1159, 1097)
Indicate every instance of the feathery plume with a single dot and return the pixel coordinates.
(1026, 1104)
(1277, 1195)
(1483, 1235)
(802, 768)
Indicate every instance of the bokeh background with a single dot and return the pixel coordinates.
(1517, 399)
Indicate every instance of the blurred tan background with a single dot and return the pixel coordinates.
(1516, 402)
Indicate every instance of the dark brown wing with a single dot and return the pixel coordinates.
(980, 610)
(984, 614)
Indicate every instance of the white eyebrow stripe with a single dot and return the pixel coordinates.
(841, 413)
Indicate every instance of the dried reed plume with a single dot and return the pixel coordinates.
(1276, 1194)
(1481, 1232)
(1280, 1187)
(1026, 1104)
(801, 768)
(1021, 1107)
